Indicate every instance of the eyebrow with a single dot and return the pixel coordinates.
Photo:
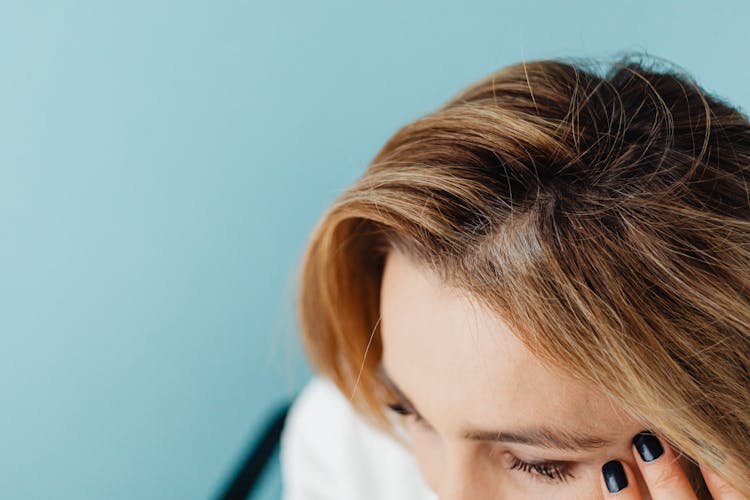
(539, 436)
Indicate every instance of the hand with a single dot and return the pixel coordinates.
(662, 474)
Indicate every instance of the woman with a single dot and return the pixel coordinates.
(539, 290)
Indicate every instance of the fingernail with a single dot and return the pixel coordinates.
(648, 446)
(614, 476)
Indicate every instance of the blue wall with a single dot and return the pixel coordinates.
(161, 166)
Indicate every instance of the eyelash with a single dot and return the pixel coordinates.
(545, 471)
(401, 410)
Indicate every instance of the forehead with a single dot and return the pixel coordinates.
(462, 366)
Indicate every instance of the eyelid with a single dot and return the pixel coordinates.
(535, 468)
(399, 408)
(546, 471)
(402, 408)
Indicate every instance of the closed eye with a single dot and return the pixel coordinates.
(546, 471)
(402, 409)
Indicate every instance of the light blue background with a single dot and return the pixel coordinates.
(161, 166)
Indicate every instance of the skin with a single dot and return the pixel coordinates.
(462, 368)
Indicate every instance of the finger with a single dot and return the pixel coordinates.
(618, 481)
(660, 469)
(720, 489)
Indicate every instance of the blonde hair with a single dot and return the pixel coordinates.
(606, 218)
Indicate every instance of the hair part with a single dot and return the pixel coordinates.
(606, 218)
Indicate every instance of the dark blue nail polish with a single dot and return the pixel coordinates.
(648, 446)
(614, 476)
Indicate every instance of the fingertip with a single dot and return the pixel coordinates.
(615, 478)
(618, 481)
(648, 447)
(660, 468)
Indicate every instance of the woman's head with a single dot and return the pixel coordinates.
(583, 241)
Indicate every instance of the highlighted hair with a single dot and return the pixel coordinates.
(603, 213)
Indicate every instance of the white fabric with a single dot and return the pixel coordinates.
(329, 452)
